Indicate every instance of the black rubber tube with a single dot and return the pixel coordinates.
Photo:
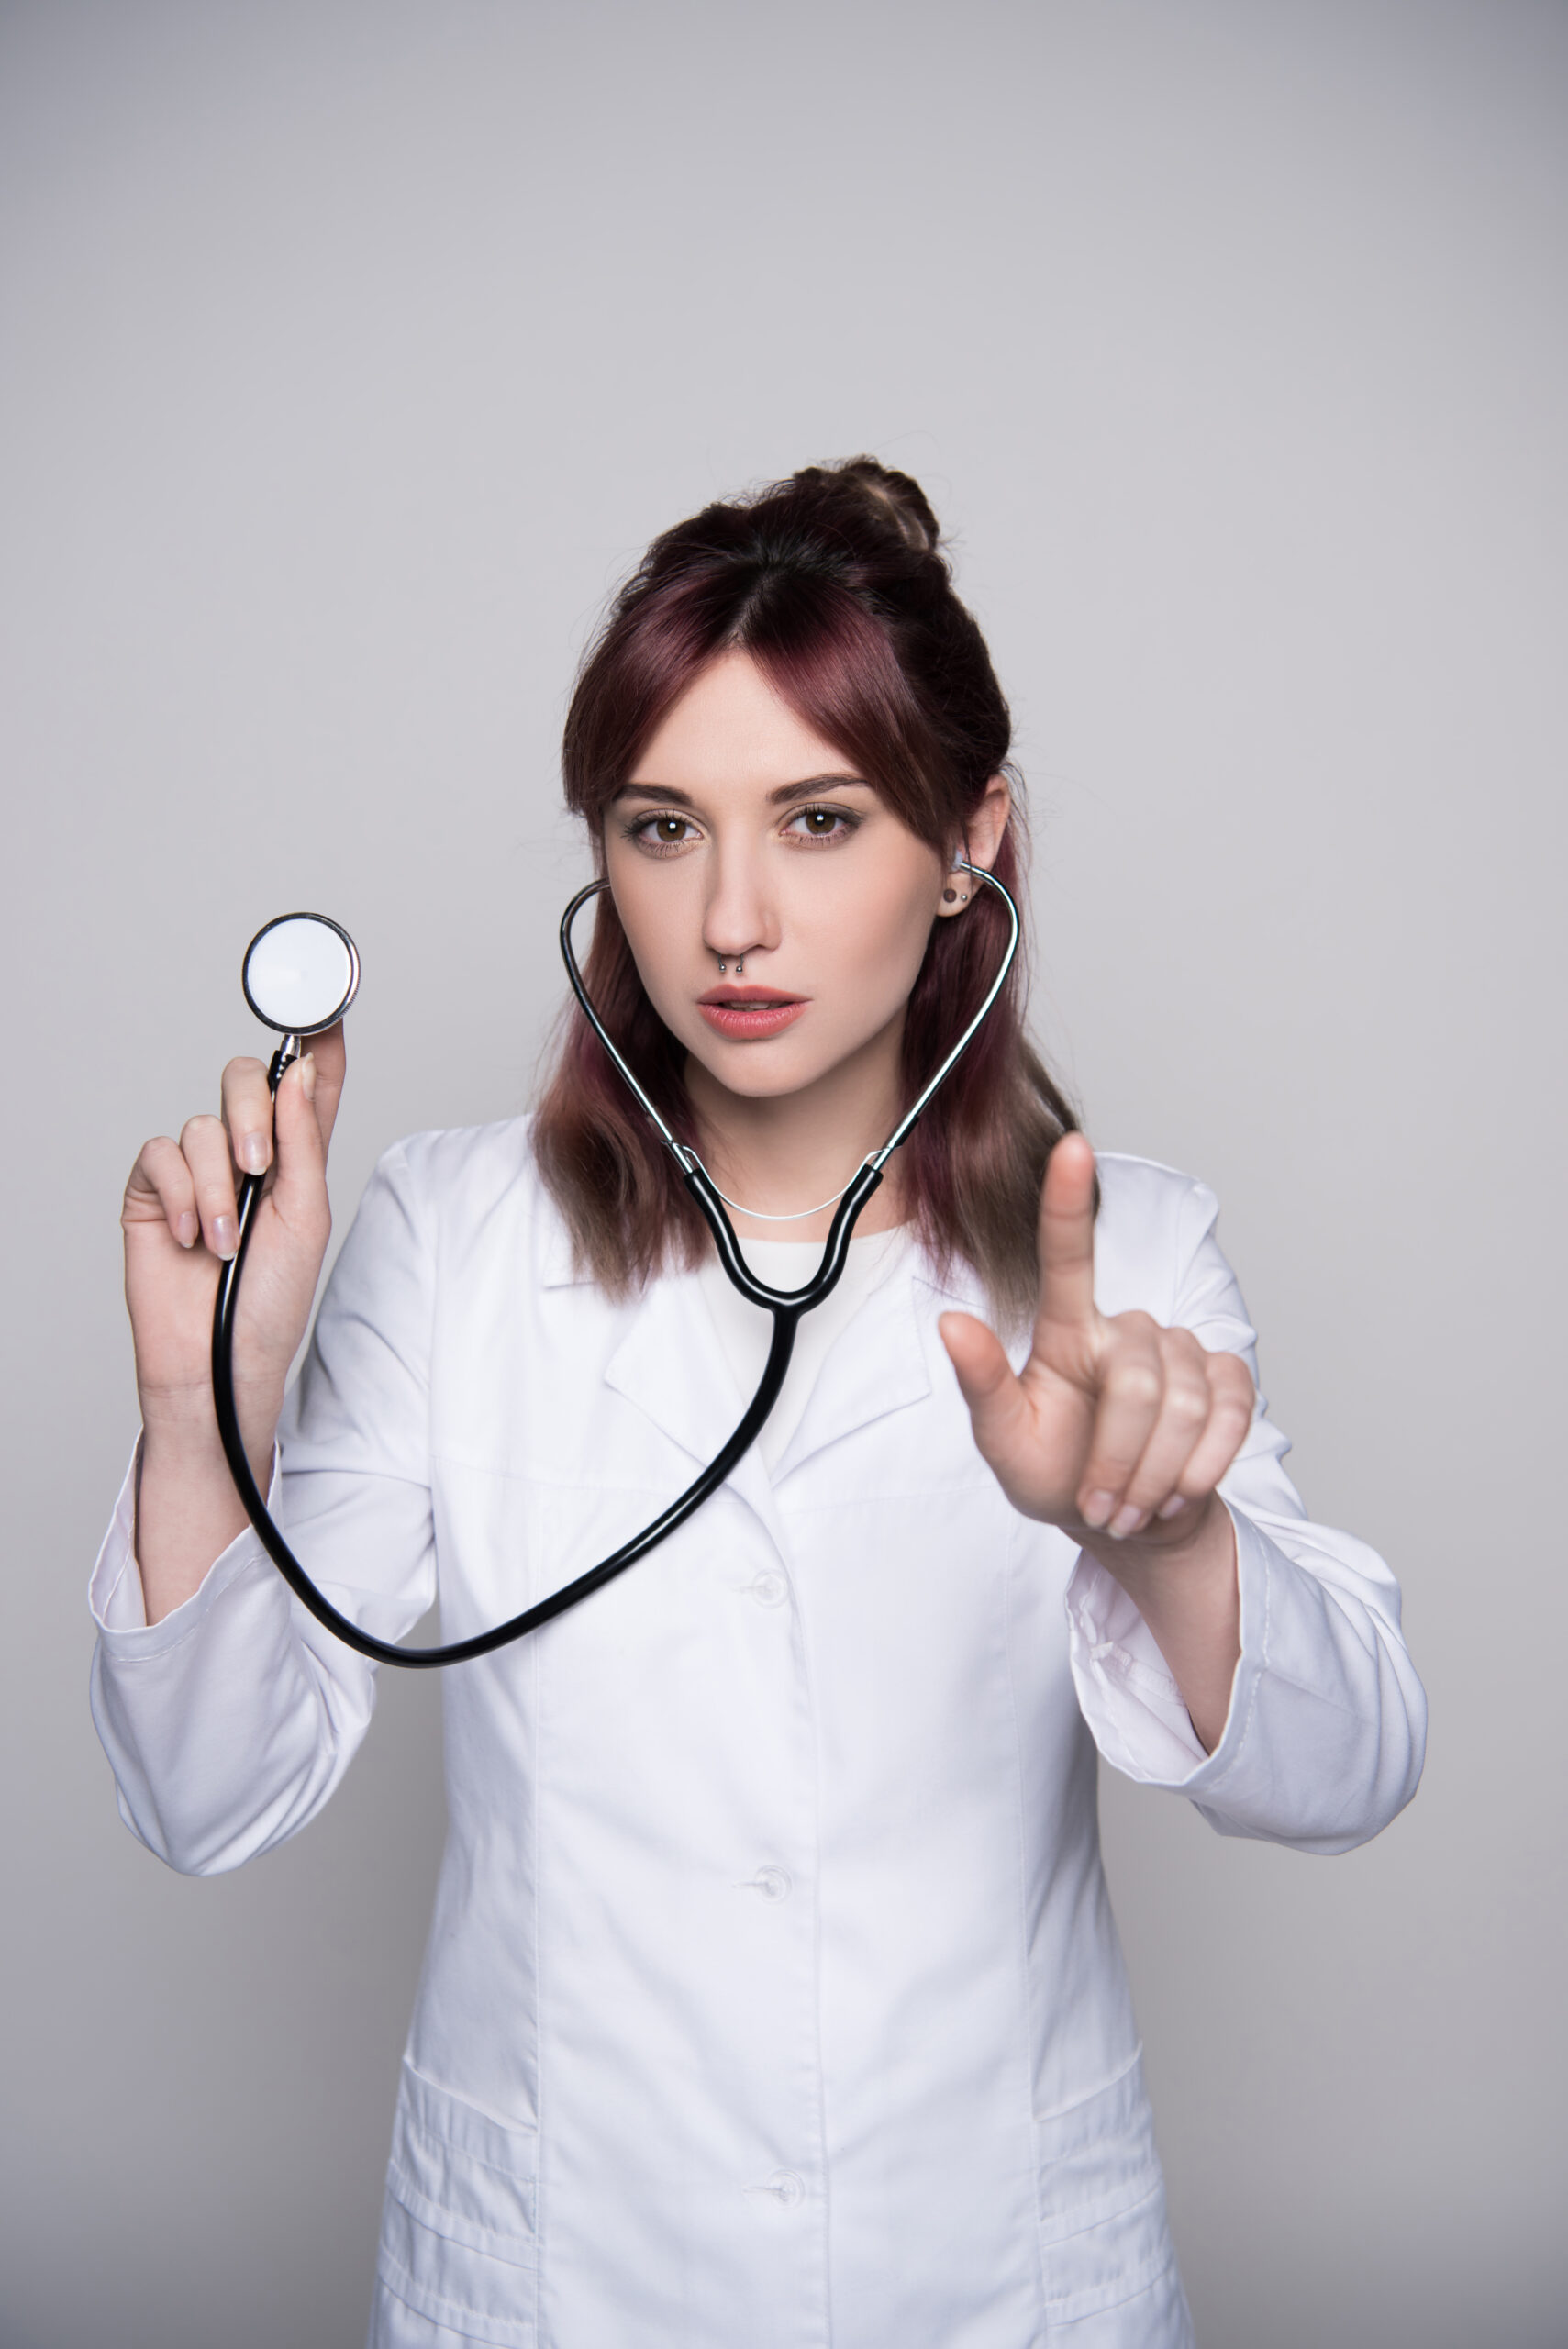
(517, 1628)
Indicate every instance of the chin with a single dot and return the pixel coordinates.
(754, 1072)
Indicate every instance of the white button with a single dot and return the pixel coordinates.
(784, 2187)
(769, 1590)
(772, 1883)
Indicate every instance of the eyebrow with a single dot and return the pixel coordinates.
(811, 787)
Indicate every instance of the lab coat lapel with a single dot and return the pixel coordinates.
(671, 1366)
(879, 1364)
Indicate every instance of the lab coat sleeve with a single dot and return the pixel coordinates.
(229, 1723)
(1326, 1732)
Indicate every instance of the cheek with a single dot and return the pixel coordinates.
(879, 930)
(656, 927)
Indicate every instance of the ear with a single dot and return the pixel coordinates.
(982, 838)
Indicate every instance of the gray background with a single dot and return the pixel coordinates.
(352, 354)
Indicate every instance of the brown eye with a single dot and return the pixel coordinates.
(668, 827)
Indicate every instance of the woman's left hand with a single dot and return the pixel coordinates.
(1115, 1427)
(1119, 1432)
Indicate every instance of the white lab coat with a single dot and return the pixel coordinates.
(772, 1998)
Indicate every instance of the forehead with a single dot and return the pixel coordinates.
(730, 730)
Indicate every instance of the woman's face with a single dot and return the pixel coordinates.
(743, 837)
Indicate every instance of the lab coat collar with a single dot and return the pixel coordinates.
(877, 1364)
(669, 1364)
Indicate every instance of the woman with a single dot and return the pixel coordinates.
(772, 1994)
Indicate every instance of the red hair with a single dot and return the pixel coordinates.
(834, 584)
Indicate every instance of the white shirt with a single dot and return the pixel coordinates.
(772, 1998)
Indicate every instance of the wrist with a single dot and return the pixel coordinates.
(1186, 1588)
(180, 1437)
(1198, 1537)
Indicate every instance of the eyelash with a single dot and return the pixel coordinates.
(641, 829)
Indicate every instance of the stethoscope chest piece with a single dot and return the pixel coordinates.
(300, 974)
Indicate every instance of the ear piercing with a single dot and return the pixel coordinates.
(955, 898)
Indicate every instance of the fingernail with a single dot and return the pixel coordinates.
(226, 1235)
(307, 1076)
(185, 1230)
(1127, 1520)
(1173, 1507)
(1097, 1508)
(253, 1153)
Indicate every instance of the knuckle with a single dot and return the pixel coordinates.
(1188, 1405)
(1136, 1382)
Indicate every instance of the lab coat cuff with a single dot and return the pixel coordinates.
(115, 1592)
(1128, 1691)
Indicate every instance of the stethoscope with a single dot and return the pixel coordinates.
(300, 974)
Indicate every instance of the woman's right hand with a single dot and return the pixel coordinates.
(179, 1220)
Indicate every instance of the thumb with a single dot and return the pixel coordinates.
(985, 1380)
(301, 1187)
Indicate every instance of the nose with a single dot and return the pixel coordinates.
(739, 916)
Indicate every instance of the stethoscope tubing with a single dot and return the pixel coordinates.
(786, 1305)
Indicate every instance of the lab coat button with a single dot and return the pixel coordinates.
(784, 2187)
(769, 1590)
(772, 1883)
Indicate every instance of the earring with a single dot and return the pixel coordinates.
(950, 896)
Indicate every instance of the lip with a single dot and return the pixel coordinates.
(742, 1013)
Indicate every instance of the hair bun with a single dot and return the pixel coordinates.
(892, 496)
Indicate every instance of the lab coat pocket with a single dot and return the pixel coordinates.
(1103, 2234)
(458, 2240)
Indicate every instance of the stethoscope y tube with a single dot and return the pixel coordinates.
(786, 1305)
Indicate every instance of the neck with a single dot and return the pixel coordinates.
(780, 1154)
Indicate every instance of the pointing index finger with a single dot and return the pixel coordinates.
(1067, 1236)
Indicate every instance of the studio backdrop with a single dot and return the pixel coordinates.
(352, 354)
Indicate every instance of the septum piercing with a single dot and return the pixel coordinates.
(740, 967)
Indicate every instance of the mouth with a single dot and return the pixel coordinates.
(742, 1013)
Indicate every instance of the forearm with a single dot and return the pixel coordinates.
(1182, 1579)
(187, 1511)
(227, 1724)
